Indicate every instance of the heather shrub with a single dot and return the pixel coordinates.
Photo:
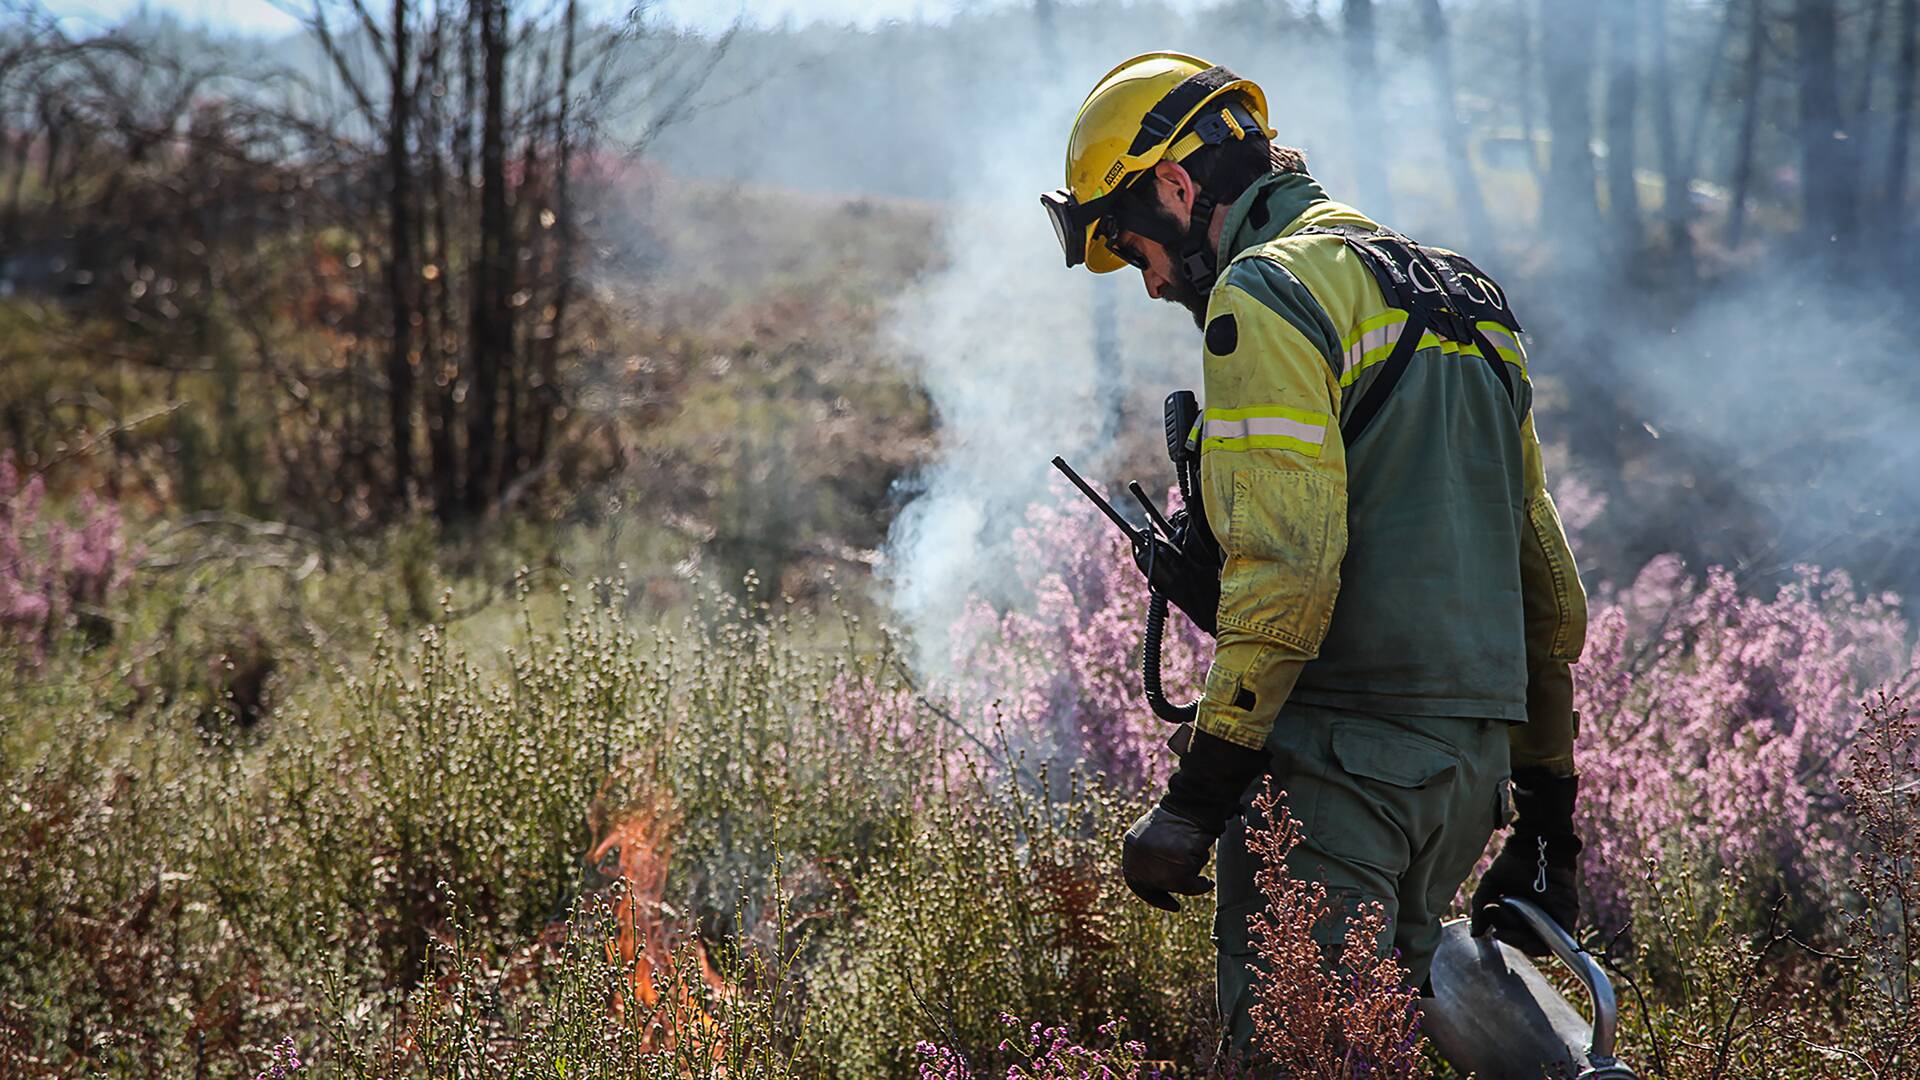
(1049, 1053)
(54, 573)
(1712, 724)
(570, 1004)
(1882, 787)
(1350, 1015)
(1003, 897)
(1710, 988)
(1061, 669)
(172, 887)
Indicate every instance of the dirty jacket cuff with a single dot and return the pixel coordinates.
(1248, 682)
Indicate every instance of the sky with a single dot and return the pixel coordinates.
(265, 18)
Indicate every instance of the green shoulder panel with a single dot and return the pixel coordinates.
(1258, 274)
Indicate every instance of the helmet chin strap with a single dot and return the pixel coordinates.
(1198, 259)
(1193, 252)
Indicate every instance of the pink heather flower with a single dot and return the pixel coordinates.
(1714, 721)
(51, 570)
(1061, 669)
(284, 1063)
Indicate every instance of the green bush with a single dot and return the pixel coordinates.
(180, 895)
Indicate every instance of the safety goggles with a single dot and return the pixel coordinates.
(1077, 224)
(1074, 222)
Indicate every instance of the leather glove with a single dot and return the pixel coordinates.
(1540, 862)
(1163, 854)
(1166, 849)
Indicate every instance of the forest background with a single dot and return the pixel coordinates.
(526, 543)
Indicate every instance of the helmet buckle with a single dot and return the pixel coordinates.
(1198, 267)
(1220, 126)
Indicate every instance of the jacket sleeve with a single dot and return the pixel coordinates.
(1274, 472)
(1556, 625)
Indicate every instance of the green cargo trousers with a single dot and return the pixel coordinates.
(1391, 808)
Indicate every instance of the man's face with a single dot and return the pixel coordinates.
(1159, 271)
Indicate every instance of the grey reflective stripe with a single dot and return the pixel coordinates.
(1378, 337)
(1499, 337)
(1267, 425)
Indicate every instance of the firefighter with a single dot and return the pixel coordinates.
(1399, 609)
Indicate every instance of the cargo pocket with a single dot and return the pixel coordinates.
(1365, 813)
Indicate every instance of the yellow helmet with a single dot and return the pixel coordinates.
(1128, 125)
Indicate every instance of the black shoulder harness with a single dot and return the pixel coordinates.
(1440, 291)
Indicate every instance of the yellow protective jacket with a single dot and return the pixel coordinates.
(1425, 573)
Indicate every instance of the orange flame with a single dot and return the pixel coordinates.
(639, 842)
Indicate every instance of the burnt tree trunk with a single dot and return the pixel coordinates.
(1829, 198)
(437, 305)
(1676, 207)
(403, 273)
(1571, 213)
(1363, 84)
(491, 328)
(1898, 143)
(1749, 122)
(1525, 49)
(1623, 99)
(1703, 102)
(547, 388)
(1466, 186)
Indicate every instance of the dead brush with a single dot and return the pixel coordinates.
(1882, 786)
(1312, 1016)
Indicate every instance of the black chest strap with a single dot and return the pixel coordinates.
(1440, 291)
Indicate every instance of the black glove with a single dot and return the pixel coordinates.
(1167, 848)
(1540, 862)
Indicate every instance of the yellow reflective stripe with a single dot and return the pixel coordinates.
(1371, 343)
(1305, 416)
(1501, 340)
(1385, 318)
(1265, 427)
(1371, 347)
(1506, 344)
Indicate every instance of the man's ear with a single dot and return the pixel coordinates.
(1176, 189)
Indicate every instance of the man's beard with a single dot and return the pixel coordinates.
(1181, 291)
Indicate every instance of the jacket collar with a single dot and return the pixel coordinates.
(1277, 205)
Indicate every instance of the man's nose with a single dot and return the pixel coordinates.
(1156, 285)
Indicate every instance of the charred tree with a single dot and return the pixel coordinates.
(547, 388)
(1524, 48)
(1570, 214)
(1750, 84)
(1828, 195)
(1466, 186)
(402, 269)
(490, 334)
(1899, 140)
(1623, 94)
(1363, 88)
(1676, 206)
